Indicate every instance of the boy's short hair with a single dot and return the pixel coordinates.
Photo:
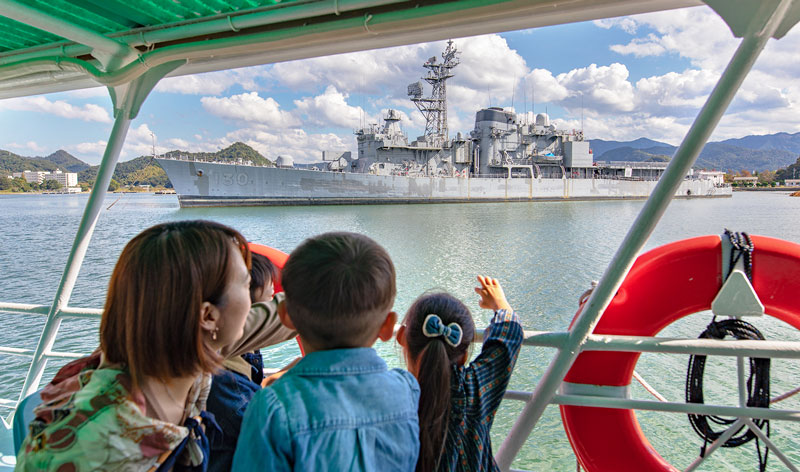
(262, 271)
(339, 288)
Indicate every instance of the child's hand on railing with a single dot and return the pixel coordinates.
(492, 295)
(272, 378)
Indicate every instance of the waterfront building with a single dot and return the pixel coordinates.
(716, 176)
(32, 177)
(792, 182)
(66, 179)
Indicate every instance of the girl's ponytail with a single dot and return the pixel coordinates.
(435, 349)
(434, 403)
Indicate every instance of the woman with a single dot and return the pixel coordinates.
(179, 293)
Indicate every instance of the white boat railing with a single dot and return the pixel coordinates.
(554, 339)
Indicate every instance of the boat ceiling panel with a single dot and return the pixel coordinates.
(69, 46)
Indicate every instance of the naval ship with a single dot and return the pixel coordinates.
(502, 159)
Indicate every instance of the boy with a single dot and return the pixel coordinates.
(340, 408)
(233, 387)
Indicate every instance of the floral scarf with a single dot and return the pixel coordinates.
(92, 419)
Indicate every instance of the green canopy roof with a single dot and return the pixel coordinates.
(55, 45)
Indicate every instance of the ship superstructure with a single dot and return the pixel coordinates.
(500, 159)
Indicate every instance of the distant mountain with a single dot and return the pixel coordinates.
(10, 162)
(631, 154)
(754, 153)
(784, 141)
(600, 147)
(66, 161)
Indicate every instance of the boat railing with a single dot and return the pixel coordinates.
(556, 340)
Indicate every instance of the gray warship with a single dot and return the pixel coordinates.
(501, 159)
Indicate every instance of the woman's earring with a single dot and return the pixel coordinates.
(214, 334)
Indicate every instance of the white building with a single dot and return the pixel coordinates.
(32, 177)
(716, 176)
(66, 179)
(792, 182)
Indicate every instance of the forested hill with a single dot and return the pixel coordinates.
(66, 162)
(752, 153)
(145, 170)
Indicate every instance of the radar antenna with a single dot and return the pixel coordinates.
(434, 109)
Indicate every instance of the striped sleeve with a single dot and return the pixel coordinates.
(488, 375)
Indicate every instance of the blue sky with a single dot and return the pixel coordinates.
(640, 76)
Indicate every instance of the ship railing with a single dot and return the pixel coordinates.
(558, 340)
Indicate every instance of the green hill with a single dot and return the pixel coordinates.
(66, 161)
(10, 162)
(792, 171)
(235, 152)
(145, 170)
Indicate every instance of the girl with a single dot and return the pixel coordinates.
(178, 294)
(457, 402)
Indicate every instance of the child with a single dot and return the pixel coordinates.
(340, 408)
(457, 403)
(233, 387)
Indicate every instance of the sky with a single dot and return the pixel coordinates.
(617, 79)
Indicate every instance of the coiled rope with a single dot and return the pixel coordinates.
(758, 379)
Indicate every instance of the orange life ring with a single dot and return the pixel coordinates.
(664, 285)
(276, 256)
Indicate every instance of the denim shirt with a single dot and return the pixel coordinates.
(341, 409)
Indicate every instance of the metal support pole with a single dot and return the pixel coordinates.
(76, 255)
(654, 208)
(127, 102)
(716, 444)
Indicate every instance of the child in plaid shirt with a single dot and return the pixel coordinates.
(457, 401)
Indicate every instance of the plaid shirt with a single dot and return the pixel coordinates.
(476, 391)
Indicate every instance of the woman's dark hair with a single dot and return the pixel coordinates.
(435, 359)
(262, 272)
(151, 319)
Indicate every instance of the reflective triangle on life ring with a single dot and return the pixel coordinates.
(664, 285)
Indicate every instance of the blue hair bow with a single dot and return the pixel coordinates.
(433, 328)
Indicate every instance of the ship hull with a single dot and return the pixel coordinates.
(203, 184)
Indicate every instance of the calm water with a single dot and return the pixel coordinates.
(545, 254)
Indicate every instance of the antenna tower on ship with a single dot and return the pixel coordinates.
(434, 109)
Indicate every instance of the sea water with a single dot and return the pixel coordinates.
(545, 254)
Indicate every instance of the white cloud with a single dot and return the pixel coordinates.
(605, 88)
(214, 83)
(61, 108)
(384, 71)
(250, 107)
(331, 109)
(303, 147)
(30, 145)
(94, 149)
(640, 47)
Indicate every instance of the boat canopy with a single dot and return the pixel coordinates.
(57, 45)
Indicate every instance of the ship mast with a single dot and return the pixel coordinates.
(434, 109)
